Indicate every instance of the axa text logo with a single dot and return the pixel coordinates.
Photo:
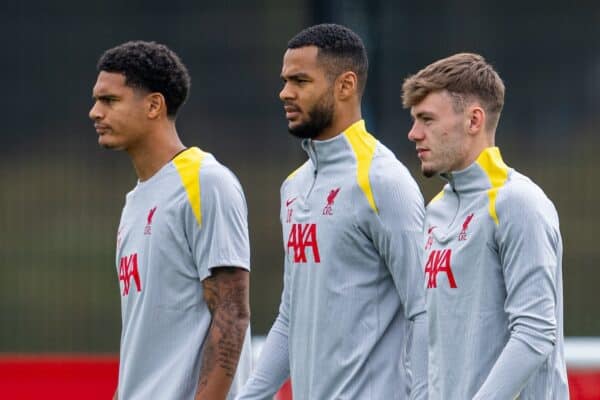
(128, 268)
(439, 261)
(301, 238)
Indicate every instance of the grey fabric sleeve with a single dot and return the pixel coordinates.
(528, 239)
(517, 362)
(397, 234)
(417, 362)
(273, 366)
(222, 239)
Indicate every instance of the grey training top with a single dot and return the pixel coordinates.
(494, 287)
(175, 227)
(352, 219)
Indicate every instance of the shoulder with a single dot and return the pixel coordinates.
(196, 167)
(520, 199)
(395, 191)
(387, 173)
(199, 163)
(208, 184)
(296, 175)
(216, 174)
(435, 200)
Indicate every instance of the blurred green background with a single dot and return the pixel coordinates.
(61, 195)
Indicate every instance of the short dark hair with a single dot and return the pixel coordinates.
(339, 48)
(152, 67)
(464, 76)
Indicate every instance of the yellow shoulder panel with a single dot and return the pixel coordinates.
(363, 144)
(188, 165)
(490, 160)
(294, 172)
(437, 196)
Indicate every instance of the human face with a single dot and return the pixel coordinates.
(307, 94)
(118, 112)
(439, 133)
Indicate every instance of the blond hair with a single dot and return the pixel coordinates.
(466, 77)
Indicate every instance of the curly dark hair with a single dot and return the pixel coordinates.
(340, 50)
(151, 67)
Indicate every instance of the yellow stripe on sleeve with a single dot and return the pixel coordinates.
(490, 160)
(363, 144)
(188, 165)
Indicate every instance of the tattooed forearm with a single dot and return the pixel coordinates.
(226, 294)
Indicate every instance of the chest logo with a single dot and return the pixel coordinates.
(429, 237)
(439, 261)
(302, 237)
(288, 203)
(148, 228)
(463, 232)
(328, 209)
(128, 268)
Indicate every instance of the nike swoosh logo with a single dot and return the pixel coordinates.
(290, 201)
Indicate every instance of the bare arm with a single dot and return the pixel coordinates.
(226, 293)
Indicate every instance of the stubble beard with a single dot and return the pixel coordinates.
(320, 117)
(447, 156)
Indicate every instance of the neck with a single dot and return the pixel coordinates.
(342, 119)
(474, 149)
(157, 149)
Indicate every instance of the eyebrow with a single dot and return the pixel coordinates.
(297, 76)
(422, 114)
(105, 97)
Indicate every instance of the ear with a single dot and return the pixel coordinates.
(155, 105)
(475, 119)
(347, 85)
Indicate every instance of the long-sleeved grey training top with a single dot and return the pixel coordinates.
(493, 282)
(352, 220)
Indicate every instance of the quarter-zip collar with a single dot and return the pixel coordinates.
(335, 150)
(487, 172)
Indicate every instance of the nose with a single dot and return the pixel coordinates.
(95, 113)
(416, 133)
(285, 93)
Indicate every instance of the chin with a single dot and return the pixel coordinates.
(428, 172)
(106, 144)
(295, 124)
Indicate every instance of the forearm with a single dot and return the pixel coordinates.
(226, 295)
(273, 366)
(517, 362)
(419, 357)
(221, 354)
